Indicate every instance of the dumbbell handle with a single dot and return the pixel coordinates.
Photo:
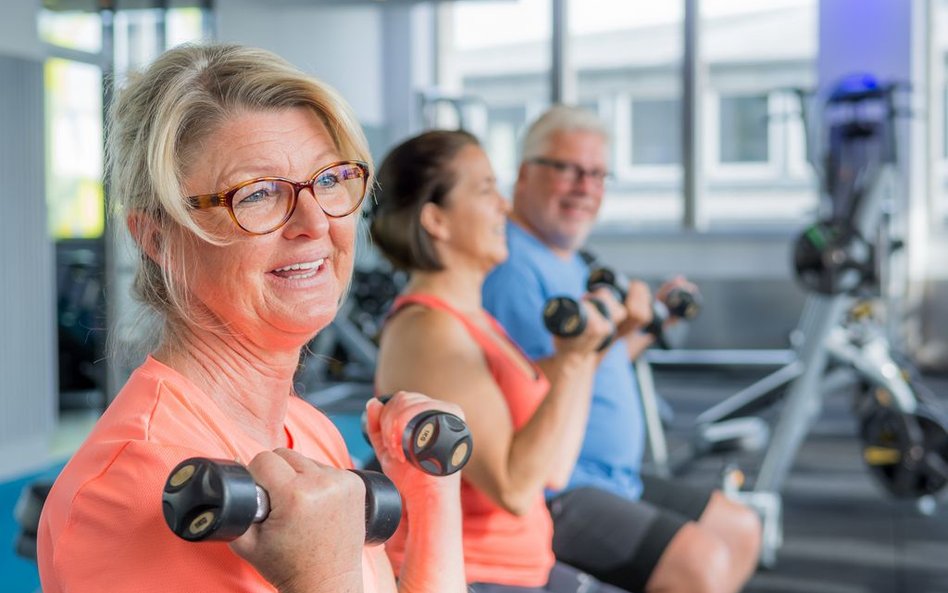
(263, 505)
(218, 500)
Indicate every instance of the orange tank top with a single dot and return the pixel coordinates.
(499, 547)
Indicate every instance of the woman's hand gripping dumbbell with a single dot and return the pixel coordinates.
(218, 500)
(565, 317)
(438, 443)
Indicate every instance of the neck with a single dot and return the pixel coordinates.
(460, 288)
(563, 253)
(250, 384)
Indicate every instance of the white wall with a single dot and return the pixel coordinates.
(28, 385)
(341, 45)
(18, 35)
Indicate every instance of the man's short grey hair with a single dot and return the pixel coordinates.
(558, 119)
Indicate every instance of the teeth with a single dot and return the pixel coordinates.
(311, 265)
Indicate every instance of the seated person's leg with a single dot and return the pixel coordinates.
(725, 533)
(619, 541)
(641, 546)
(566, 579)
(739, 527)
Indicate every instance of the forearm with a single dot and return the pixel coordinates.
(349, 582)
(545, 449)
(434, 557)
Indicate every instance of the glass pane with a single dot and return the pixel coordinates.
(494, 72)
(656, 132)
(743, 135)
(626, 57)
(755, 168)
(137, 39)
(184, 25)
(74, 149)
(74, 30)
(940, 80)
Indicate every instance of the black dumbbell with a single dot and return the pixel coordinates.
(436, 442)
(678, 303)
(683, 303)
(602, 277)
(218, 500)
(565, 317)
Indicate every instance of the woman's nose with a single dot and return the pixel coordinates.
(308, 218)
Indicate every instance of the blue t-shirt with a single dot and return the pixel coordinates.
(514, 293)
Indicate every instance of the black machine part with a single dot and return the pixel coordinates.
(436, 442)
(565, 317)
(907, 452)
(831, 257)
(218, 500)
(27, 513)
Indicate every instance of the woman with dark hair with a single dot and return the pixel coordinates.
(439, 216)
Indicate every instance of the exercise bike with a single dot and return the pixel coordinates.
(844, 262)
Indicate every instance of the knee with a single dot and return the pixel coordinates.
(738, 525)
(697, 563)
(711, 573)
(748, 532)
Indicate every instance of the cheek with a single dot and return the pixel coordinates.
(218, 269)
(343, 235)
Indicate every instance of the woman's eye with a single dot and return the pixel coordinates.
(255, 195)
(326, 181)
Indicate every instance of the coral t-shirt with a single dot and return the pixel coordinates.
(499, 547)
(102, 527)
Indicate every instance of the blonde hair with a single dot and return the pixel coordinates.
(557, 119)
(155, 131)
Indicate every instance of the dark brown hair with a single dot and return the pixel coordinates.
(415, 172)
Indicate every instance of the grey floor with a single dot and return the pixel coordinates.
(842, 532)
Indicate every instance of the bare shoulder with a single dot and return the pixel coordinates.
(419, 329)
(430, 351)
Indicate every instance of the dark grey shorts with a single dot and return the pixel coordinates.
(620, 541)
(563, 579)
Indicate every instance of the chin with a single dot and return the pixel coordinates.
(500, 257)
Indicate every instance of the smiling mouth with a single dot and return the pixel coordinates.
(300, 270)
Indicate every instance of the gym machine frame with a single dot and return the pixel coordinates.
(834, 347)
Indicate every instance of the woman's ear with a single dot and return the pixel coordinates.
(434, 221)
(145, 232)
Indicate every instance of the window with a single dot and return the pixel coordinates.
(656, 132)
(74, 149)
(939, 114)
(497, 55)
(625, 59)
(752, 137)
(503, 134)
(80, 31)
(743, 136)
(74, 194)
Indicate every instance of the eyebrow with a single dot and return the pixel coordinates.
(243, 172)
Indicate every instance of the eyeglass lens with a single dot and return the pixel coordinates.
(264, 205)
